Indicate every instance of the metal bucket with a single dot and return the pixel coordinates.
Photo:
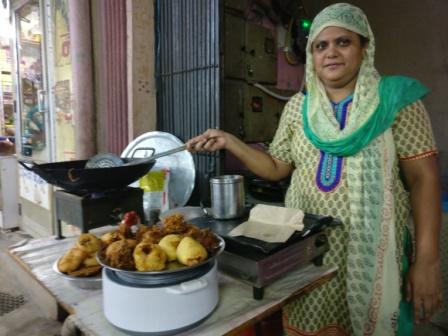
(227, 196)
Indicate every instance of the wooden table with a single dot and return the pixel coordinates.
(236, 310)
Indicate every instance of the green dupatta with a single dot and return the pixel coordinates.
(395, 93)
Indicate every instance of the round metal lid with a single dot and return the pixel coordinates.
(225, 179)
(181, 164)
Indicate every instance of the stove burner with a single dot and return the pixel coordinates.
(259, 263)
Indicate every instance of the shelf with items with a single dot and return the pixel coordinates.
(6, 93)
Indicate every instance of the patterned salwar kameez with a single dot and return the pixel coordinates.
(319, 186)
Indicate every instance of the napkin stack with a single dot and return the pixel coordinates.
(271, 224)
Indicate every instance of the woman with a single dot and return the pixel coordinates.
(345, 143)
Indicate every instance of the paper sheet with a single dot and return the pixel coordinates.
(271, 224)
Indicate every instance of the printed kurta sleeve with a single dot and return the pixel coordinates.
(413, 134)
(280, 147)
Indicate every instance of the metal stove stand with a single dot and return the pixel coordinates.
(91, 210)
(259, 269)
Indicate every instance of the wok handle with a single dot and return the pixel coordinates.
(24, 165)
(37, 170)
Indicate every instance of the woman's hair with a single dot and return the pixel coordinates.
(364, 40)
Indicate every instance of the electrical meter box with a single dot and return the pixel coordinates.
(250, 51)
(249, 113)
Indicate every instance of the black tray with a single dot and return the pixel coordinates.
(313, 224)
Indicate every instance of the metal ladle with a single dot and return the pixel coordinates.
(110, 160)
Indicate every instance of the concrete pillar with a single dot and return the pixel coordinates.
(81, 51)
(141, 67)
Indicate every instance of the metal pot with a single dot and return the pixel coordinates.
(227, 196)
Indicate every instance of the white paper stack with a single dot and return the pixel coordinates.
(271, 224)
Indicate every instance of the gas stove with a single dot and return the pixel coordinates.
(259, 263)
(88, 210)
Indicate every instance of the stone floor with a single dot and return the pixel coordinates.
(19, 315)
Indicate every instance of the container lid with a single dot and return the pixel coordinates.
(180, 164)
(223, 179)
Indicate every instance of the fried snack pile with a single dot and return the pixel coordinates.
(173, 245)
(80, 260)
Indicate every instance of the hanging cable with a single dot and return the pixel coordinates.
(270, 93)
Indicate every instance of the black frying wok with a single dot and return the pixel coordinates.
(73, 176)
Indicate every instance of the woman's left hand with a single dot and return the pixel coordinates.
(424, 288)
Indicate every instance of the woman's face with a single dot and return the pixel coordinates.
(337, 56)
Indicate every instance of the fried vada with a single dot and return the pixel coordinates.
(86, 271)
(192, 231)
(169, 244)
(119, 254)
(71, 260)
(190, 252)
(90, 261)
(110, 237)
(89, 243)
(153, 235)
(174, 223)
(208, 239)
(149, 257)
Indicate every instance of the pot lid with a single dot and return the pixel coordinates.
(180, 164)
(226, 179)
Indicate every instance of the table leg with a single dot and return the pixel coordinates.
(258, 293)
(59, 229)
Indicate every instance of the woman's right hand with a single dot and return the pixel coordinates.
(210, 141)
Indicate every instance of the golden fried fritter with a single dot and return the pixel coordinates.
(71, 260)
(110, 237)
(89, 243)
(90, 261)
(142, 229)
(190, 252)
(153, 235)
(174, 223)
(86, 271)
(192, 231)
(208, 239)
(119, 255)
(149, 257)
(169, 245)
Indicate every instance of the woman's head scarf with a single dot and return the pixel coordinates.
(365, 100)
